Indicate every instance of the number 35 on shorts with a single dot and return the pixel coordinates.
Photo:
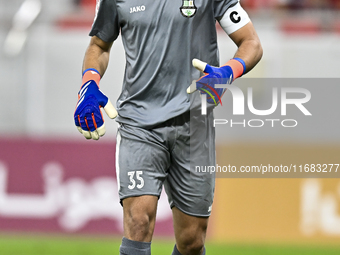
(139, 182)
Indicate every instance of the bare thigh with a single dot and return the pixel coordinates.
(139, 217)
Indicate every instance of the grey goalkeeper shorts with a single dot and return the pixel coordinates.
(169, 154)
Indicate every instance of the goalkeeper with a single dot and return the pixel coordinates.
(167, 45)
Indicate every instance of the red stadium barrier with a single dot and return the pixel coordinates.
(336, 26)
(301, 26)
(88, 3)
(63, 187)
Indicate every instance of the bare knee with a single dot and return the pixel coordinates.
(139, 218)
(190, 243)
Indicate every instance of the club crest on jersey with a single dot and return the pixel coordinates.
(188, 8)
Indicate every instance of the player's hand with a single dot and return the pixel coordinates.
(88, 116)
(226, 74)
(213, 75)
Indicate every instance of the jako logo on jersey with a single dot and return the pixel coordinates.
(188, 8)
(137, 9)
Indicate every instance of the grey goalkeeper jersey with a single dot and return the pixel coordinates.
(160, 37)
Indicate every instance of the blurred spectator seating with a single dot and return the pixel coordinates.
(81, 18)
(291, 4)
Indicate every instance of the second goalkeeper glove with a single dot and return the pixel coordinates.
(88, 116)
(226, 74)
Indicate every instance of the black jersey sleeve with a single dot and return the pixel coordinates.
(106, 25)
(221, 6)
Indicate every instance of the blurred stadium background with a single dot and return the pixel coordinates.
(56, 198)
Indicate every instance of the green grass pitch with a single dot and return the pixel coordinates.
(80, 245)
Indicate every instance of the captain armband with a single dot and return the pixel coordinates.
(234, 19)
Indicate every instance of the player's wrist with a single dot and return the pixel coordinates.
(238, 66)
(91, 74)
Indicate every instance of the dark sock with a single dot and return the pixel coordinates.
(176, 252)
(129, 247)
